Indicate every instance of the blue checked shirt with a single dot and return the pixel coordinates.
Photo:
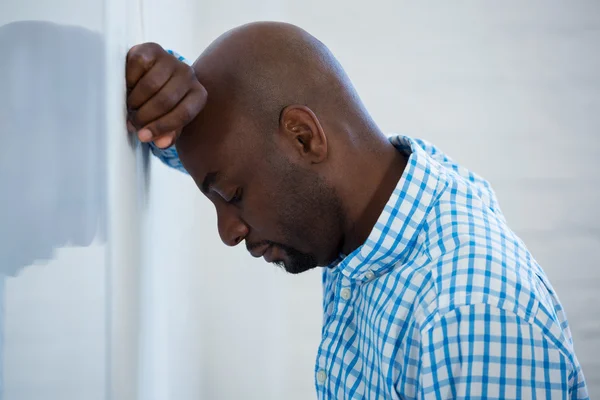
(443, 300)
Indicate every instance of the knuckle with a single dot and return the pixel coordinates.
(140, 57)
(154, 47)
(184, 72)
(199, 96)
(189, 71)
(134, 50)
(188, 112)
(144, 54)
(202, 93)
(197, 86)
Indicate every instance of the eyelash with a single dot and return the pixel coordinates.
(237, 197)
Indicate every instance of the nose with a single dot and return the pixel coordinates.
(231, 228)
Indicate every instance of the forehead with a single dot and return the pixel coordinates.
(228, 152)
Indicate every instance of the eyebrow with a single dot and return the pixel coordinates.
(208, 181)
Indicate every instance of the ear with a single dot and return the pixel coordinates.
(300, 128)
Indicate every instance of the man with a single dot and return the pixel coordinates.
(427, 291)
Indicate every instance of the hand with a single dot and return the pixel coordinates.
(163, 94)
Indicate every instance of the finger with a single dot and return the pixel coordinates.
(163, 101)
(163, 141)
(179, 117)
(149, 84)
(140, 59)
(166, 140)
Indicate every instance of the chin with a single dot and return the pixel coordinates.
(290, 259)
(295, 269)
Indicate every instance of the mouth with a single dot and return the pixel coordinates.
(268, 254)
(260, 251)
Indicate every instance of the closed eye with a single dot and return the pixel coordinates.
(237, 197)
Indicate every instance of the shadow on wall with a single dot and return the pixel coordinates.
(52, 158)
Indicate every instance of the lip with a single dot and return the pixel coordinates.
(268, 254)
(260, 251)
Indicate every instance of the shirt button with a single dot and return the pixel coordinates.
(321, 376)
(345, 293)
(370, 275)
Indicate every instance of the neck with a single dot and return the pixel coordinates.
(374, 178)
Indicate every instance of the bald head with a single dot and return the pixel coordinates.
(284, 148)
(258, 69)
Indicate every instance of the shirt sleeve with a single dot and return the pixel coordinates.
(169, 156)
(480, 351)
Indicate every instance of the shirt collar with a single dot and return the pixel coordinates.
(394, 236)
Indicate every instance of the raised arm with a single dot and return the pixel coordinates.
(163, 96)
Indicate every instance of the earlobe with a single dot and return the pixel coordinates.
(301, 127)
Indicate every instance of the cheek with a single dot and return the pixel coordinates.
(270, 215)
(273, 222)
(287, 205)
(298, 220)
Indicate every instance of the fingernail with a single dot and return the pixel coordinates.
(145, 135)
(163, 142)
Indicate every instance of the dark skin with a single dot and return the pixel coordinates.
(281, 145)
(163, 94)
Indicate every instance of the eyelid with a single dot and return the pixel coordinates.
(237, 197)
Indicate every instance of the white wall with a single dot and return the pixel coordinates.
(509, 89)
(53, 316)
(70, 179)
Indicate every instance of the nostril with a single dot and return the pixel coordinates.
(237, 240)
